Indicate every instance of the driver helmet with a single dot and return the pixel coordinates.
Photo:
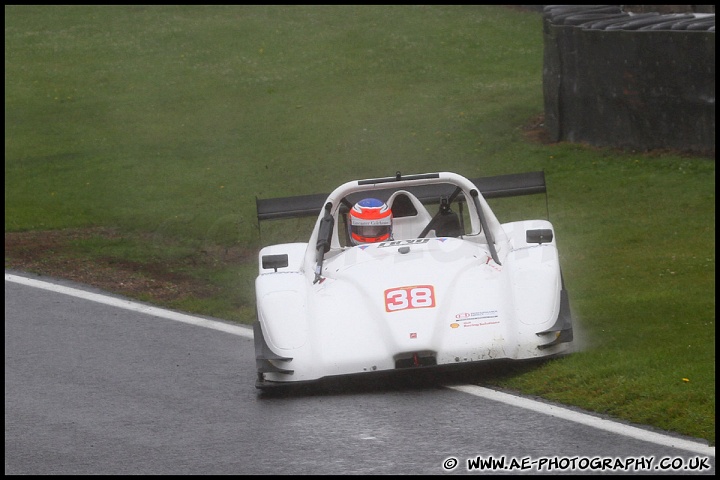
(370, 221)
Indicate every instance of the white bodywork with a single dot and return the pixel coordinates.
(376, 306)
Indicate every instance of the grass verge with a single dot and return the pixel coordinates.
(136, 139)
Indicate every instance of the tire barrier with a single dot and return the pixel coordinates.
(630, 80)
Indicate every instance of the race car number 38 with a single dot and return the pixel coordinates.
(403, 298)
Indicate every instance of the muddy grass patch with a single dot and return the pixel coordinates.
(54, 254)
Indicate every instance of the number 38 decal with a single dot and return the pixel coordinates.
(416, 296)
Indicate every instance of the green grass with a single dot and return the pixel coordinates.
(164, 124)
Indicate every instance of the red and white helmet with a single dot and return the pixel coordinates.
(370, 221)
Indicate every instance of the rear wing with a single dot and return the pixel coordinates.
(510, 185)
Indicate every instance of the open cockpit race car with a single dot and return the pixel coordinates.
(446, 284)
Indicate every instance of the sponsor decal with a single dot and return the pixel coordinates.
(471, 315)
(413, 335)
(400, 243)
(415, 296)
(471, 323)
(475, 319)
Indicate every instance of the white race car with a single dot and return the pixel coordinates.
(446, 284)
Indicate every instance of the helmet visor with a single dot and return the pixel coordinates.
(370, 233)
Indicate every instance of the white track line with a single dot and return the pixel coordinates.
(589, 420)
(546, 409)
(134, 306)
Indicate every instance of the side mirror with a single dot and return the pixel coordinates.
(275, 261)
(542, 235)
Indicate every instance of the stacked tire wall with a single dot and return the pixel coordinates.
(630, 80)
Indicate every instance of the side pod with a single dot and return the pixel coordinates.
(264, 355)
(563, 326)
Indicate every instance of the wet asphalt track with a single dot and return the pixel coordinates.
(96, 389)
